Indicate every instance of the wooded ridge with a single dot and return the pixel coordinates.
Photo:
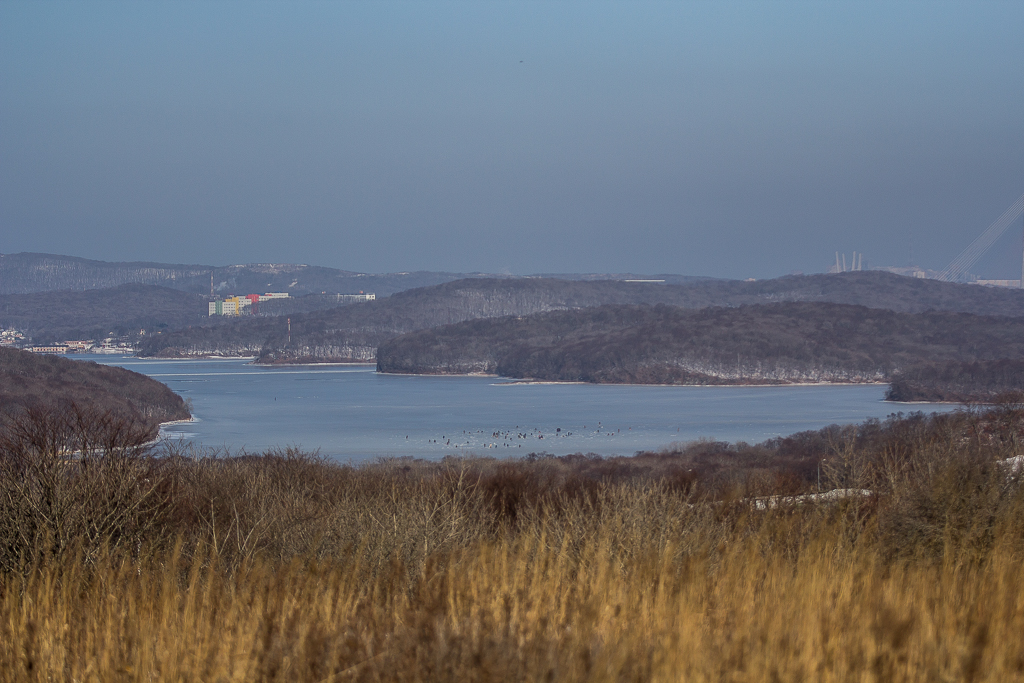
(984, 381)
(94, 314)
(771, 343)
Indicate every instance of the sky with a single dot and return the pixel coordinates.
(749, 139)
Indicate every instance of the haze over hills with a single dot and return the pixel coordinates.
(353, 333)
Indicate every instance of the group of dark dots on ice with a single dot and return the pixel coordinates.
(508, 436)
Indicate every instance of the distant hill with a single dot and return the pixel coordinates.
(354, 333)
(95, 314)
(26, 272)
(772, 343)
(29, 380)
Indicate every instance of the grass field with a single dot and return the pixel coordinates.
(118, 565)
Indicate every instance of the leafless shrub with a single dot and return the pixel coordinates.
(74, 477)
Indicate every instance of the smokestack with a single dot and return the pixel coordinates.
(837, 262)
(289, 330)
(844, 263)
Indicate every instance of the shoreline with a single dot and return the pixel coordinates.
(177, 422)
(513, 380)
(320, 363)
(934, 403)
(705, 386)
(508, 381)
(187, 358)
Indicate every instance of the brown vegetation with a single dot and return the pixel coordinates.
(283, 566)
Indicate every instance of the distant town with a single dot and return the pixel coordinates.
(241, 305)
(112, 345)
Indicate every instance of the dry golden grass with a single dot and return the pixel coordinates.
(287, 568)
(740, 602)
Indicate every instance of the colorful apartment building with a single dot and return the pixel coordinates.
(234, 305)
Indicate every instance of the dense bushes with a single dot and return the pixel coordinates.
(73, 479)
(76, 477)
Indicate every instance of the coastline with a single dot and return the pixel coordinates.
(320, 363)
(933, 403)
(448, 374)
(710, 386)
(181, 358)
(177, 422)
(508, 381)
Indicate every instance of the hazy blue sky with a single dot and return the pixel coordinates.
(738, 140)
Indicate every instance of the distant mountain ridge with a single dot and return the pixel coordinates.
(26, 273)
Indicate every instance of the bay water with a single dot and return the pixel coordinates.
(352, 413)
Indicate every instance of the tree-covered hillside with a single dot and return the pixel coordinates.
(774, 343)
(28, 380)
(95, 314)
(982, 381)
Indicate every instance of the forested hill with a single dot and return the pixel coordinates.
(28, 380)
(984, 381)
(353, 333)
(774, 343)
(94, 314)
(26, 272)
